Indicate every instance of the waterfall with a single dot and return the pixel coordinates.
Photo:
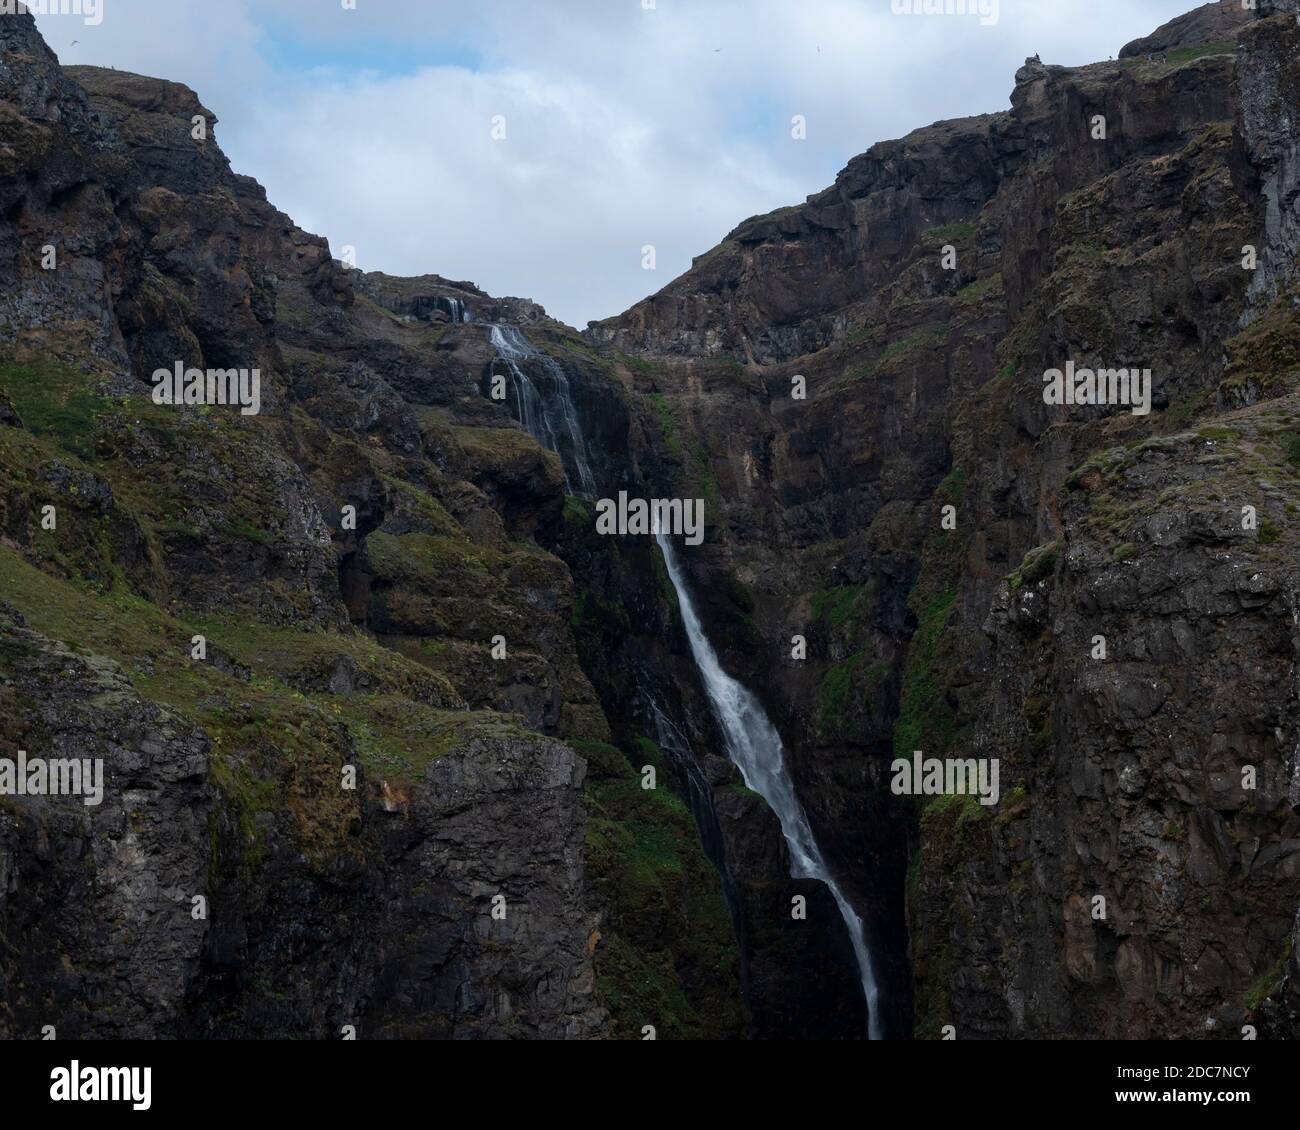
(755, 747)
(547, 412)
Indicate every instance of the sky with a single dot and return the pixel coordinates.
(538, 147)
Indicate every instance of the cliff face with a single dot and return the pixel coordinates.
(1121, 777)
(364, 676)
(327, 802)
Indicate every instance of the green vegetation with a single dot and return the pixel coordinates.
(1291, 449)
(899, 350)
(949, 233)
(667, 953)
(953, 488)
(278, 745)
(833, 698)
(56, 401)
(980, 289)
(1182, 55)
(1037, 564)
(667, 425)
(1270, 982)
(925, 720)
(843, 605)
(641, 367)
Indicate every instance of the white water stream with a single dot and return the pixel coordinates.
(755, 747)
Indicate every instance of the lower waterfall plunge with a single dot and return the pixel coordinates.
(755, 747)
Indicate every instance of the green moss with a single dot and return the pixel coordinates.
(667, 589)
(842, 605)
(956, 809)
(593, 614)
(1181, 55)
(246, 531)
(953, 488)
(898, 351)
(1291, 448)
(417, 504)
(275, 748)
(1037, 564)
(949, 233)
(578, 512)
(1270, 982)
(980, 290)
(426, 558)
(833, 697)
(736, 592)
(666, 954)
(925, 720)
(56, 401)
(642, 367)
(667, 425)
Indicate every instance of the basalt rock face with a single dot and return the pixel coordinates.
(432, 753)
(1101, 599)
(322, 651)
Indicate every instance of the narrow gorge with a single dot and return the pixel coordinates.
(441, 760)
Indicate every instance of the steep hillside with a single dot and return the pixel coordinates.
(395, 737)
(277, 632)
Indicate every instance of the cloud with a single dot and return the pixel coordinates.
(624, 126)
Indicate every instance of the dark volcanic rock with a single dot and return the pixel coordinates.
(1211, 23)
(279, 630)
(1121, 779)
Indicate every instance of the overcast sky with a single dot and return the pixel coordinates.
(625, 124)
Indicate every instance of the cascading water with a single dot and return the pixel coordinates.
(547, 414)
(755, 747)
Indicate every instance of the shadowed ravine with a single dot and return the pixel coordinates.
(755, 747)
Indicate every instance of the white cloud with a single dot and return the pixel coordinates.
(625, 126)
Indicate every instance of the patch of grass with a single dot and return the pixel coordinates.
(55, 400)
(897, 351)
(922, 712)
(1291, 449)
(833, 697)
(1181, 55)
(1270, 982)
(949, 233)
(667, 425)
(666, 953)
(1037, 564)
(980, 289)
(841, 605)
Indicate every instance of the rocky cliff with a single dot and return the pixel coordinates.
(377, 705)
(330, 801)
(1109, 610)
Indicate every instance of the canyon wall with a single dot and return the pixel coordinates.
(377, 704)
